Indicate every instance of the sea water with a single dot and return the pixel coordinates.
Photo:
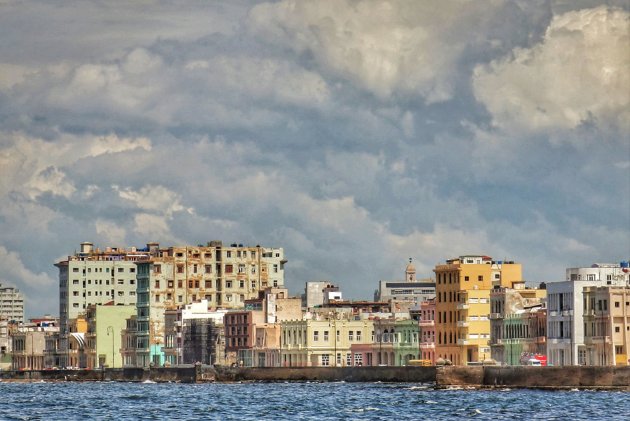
(300, 401)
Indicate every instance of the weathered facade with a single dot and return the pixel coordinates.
(224, 276)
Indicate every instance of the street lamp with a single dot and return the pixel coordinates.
(112, 330)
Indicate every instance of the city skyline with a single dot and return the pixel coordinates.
(352, 134)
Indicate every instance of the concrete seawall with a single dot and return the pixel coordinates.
(617, 378)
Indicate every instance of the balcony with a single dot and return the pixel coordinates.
(426, 323)
(463, 342)
(462, 323)
(496, 316)
(597, 340)
(463, 306)
(427, 345)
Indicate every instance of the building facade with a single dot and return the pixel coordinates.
(94, 277)
(11, 304)
(565, 309)
(518, 324)
(224, 276)
(463, 289)
(408, 293)
(606, 326)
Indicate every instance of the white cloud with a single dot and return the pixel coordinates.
(157, 199)
(111, 232)
(13, 269)
(407, 47)
(578, 74)
(35, 166)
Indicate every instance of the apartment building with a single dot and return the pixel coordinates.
(518, 322)
(463, 287)
(95, 276)
(225, 276)
(11, 304)
(565, 309)
(606, 326)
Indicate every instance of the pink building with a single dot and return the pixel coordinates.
(426, 322)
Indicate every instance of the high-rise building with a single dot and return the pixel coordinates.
(94, 277)
(462, 306)
(11, 304)
(225, 276)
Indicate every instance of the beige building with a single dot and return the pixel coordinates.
(225, 276)
(323, 343)
(463, 289)
(606, 326)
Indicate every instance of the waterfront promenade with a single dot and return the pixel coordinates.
(568, 377)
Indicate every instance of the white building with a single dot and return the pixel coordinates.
(94, 276)
(565, 309)
(11, 304)
(318, 293)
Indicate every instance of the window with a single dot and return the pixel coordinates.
(350, 335)
(208, 268)
(132, 270)
(358, 335)
(75, 282)
(157, 284)
(348, 359)
(241, 268)
(253, 254)
(180, 298)
(75, 269)
(179, 283)
(197, 283)
(241, 284)
(228, 284)
(121, 270)
(228, 254)
(275, 268)
(466, 278)
(315, 335)
(75, 293)
(208, 283)
(358, 359)
(132, 282)
(170, 283)
(617, 329)
(180, 268)
(480, 278)
(229, 269)
(617, 304)
(253, 284)
(325, 360)
(325, 336)
(157, 298)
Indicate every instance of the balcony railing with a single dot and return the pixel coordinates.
(463, 306)
(426, 323)
(463, 342)
(495, 316)
(462, 323)
(427, 345)
(597, 340)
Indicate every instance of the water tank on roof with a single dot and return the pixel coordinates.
(624, 264)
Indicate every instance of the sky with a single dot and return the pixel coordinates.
(354, 134)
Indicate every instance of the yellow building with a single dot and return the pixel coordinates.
(322, 343)
(462, 327)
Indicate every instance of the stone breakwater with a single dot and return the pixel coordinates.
(617, 378)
